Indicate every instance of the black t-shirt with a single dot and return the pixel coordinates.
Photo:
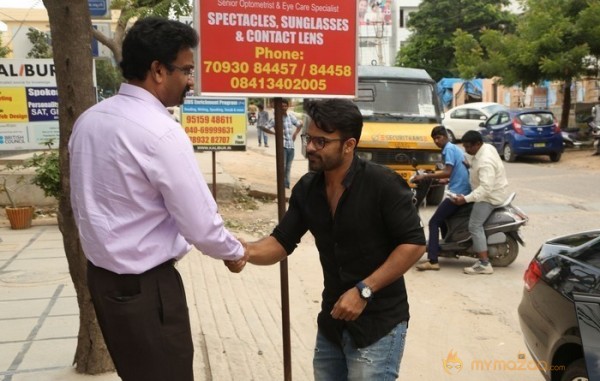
(374, 215)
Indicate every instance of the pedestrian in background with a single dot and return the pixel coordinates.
(262, 122)
(291, 128)
(139, 201)
(596, 130)
(368, 234)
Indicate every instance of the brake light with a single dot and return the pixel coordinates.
(517, 127)
(556, 126)
(532, 275)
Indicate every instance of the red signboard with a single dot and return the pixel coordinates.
(294, 48)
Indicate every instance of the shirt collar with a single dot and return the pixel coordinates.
(356, 165)
(134, 91)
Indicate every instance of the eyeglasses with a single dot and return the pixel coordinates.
(318, 142)
(188, 71)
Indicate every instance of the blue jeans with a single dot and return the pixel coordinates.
(379, 361)
(262, 135)
(443, 211)
(288, 158)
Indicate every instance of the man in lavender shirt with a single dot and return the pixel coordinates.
(140, 202)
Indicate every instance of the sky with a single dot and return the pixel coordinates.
(25, 4)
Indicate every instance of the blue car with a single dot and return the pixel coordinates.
(524, 132)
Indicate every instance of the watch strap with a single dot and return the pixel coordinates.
(361, 286)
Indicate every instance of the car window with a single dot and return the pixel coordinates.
(476, 114)
(461, 113)
(493, 120)
(504, 118)
(536, 119)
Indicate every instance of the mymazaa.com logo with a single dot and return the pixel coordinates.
(454, 365)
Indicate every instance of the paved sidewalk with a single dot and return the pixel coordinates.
(236, 318)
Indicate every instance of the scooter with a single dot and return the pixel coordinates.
(252, 118)
(571, 137)
(594, 133)
(502, 230)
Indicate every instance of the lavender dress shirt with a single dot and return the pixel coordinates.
(138, 196)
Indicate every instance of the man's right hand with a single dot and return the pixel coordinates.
(238, 265)
(459, 199)
(235, 266)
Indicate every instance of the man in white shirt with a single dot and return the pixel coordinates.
(140, 202)
(489, 189)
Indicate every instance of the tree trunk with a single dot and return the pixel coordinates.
(71, 43)
(566, 106)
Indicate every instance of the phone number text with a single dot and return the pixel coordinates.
(208, 130)
(209, 139)
(277, 68)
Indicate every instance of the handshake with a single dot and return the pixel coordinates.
(236, 266)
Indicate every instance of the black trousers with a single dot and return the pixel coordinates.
(145, 322)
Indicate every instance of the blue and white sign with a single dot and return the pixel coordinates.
(99, 8)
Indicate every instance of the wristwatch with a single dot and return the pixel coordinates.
(364, 291)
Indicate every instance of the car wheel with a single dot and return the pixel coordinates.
(507, 253)
(555, 156)
(576, 371)
(508, 153)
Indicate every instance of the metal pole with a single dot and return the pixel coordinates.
(283, 265)
(394, 33)
(214, 175)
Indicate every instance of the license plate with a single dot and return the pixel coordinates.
(539, 145)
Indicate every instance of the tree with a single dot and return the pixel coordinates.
(553, 41)
(41, 44)
(4, 50)
(71, 42)
(108, 77)
(430, 45)
(138, 8)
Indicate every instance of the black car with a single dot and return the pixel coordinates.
(561, 300)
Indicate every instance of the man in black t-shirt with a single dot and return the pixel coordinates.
(368, 234)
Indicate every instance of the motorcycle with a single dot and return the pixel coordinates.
(502, 229)
(571, 137)
(252, 118)
(594, 133)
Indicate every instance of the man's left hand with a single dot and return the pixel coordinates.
(349, 306)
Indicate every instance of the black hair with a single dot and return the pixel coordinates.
(332, 115)
(154, 39)
(439, 131)
(472, 137)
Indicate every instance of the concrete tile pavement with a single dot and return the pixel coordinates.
(236, 318)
